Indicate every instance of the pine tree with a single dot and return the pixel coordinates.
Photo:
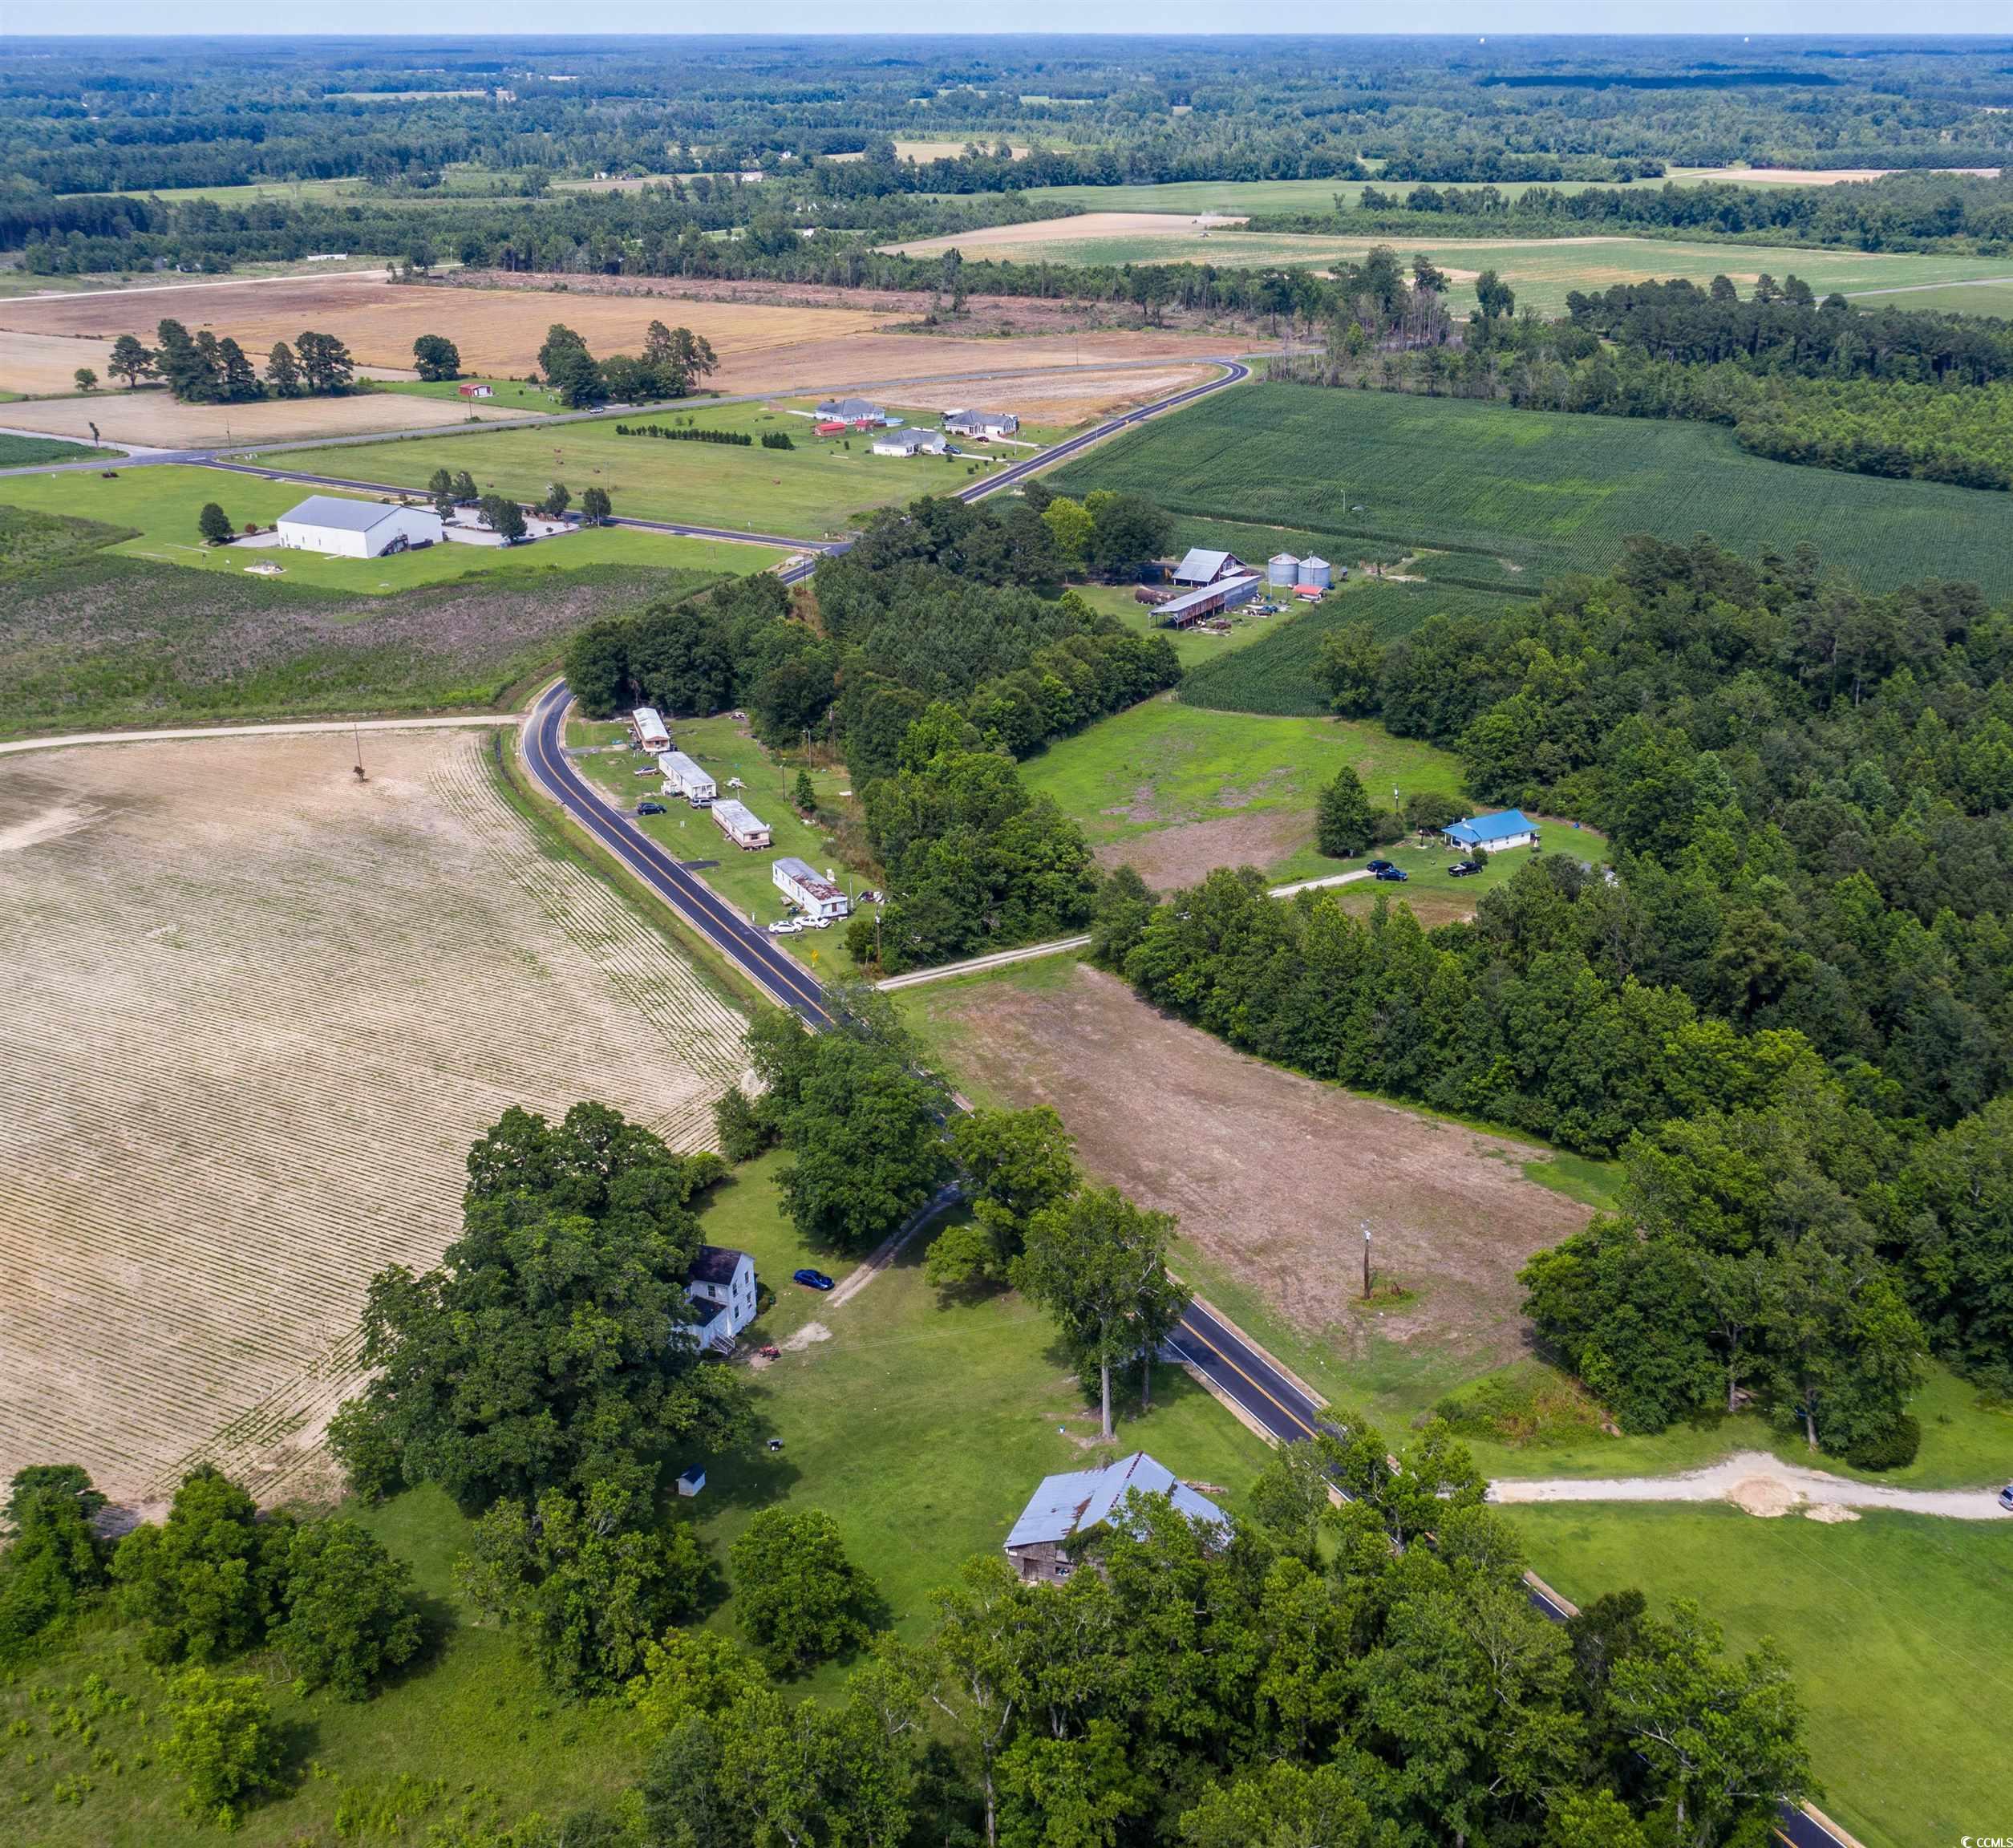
(1344, 825)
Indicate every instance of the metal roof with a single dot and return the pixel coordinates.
(807, 876)
(1479, 830)
(1064, 1504)
(848, 407)
(1181, 605)
(739, 815)
(337, 516)
(680, 769)
(1199, 566)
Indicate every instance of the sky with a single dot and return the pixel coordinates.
(1827, 17)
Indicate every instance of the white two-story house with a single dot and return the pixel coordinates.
(721, 1284)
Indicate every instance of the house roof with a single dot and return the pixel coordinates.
(738, 815)
(807, 876)
(1199, 566)
(338, 515)
(1479, 830)
(848, 407)
(678, 767)
(909, 440)
(1064, 1504)
(1194, 599)
(716, 1264)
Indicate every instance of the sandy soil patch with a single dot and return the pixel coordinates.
(1171, 858)
(1086, 228)
(1032, 366)
(1762, 1485)
(950, 150)
(1807, 176)
(497, 330)
(1272, 1175)
(256, 1012)
(153, 420)
(48, 362)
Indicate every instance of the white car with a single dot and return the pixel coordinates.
(785, 927)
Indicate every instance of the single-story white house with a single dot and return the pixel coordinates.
(683, 777)
(812, 893)
(356, 528)
(1494, 833)
(741, 824)
(851, 410)
(911, 442)
(1202, 566)
(646, 725)
(981, 424)
(1065, 1506)
(721, 1284)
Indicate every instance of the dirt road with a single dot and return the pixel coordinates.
(1766, 1485)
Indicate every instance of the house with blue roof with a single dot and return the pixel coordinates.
(1068, 1506)
(1495, 834)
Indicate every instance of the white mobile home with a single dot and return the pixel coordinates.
(683, 777)
(741, 824)
(646, 725)
(808, 889)
(356, 528)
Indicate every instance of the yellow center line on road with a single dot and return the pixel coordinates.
(1194, 1335)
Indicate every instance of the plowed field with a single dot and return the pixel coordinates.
(257, 1013)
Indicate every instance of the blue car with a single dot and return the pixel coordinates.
(811, 1279)
(1397, 873)
(649, 807)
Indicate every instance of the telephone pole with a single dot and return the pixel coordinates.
(1365, 1260)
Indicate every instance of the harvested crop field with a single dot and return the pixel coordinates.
(497, 330)
(1062, 397)
(153, 420)
(257, 1013)
(1271, 1174)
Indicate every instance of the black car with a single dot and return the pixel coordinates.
(1463, 870)
(811, 1279)
(649, 807)
(1388, 871)
(1379, 867)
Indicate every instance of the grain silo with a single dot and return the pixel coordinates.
(1316, 572)
(1282, 569)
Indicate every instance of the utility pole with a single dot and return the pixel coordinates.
(356, 732)
(1365, 1260)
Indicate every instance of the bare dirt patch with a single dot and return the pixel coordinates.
(1086, 228)
(153, 420)
(256, 1012)
(1172, 858)
(1272, 1175)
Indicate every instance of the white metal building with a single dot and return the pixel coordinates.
(356, 528)
(646, 725)
(683, 777)
(814, 894)
(741, 824)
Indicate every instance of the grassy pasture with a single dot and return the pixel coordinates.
(1899, 1627)
(815, 489)
(160, 506)
(511, 394)
(1545, 493)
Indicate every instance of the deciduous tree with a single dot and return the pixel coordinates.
(800, 1599)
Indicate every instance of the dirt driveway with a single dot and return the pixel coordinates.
(1272, 1175)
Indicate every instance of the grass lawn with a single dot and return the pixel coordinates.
(1163, 763)
(1193, 647)
(28, 452)
(922, 1428)
(1436, 896)
(743, 879)
(512, 394)
(1513, 497)
(160, 506)
(819, 488)
(1900, 1629)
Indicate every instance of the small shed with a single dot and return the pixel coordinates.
(475, 388)
(691, 1482)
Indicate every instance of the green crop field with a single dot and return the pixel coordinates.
(1533, 494)
(1900, 1629)
(1542, 271)
(818, 488)
(1277, 675)
(31, 451)
(159, 505)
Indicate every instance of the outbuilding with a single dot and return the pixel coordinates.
(1317, 572)
(356, 528)
(1495, 834)
(684, 777)
(911, 442)
(475, 388)
(1282, 570)
(1192, 606)
(741, 824)
(1202, 566)
(814, 894)
(1065, 1508)
(646, 725)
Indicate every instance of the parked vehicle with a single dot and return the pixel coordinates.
(2006, 1496)
(1463, 870)
(810, 1279)
(785, 927)
(1380, 866)
(769, 1351)
(1397, 874)
(649, 807)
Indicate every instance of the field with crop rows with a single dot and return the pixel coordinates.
(1518, 496)
(257, 1013)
